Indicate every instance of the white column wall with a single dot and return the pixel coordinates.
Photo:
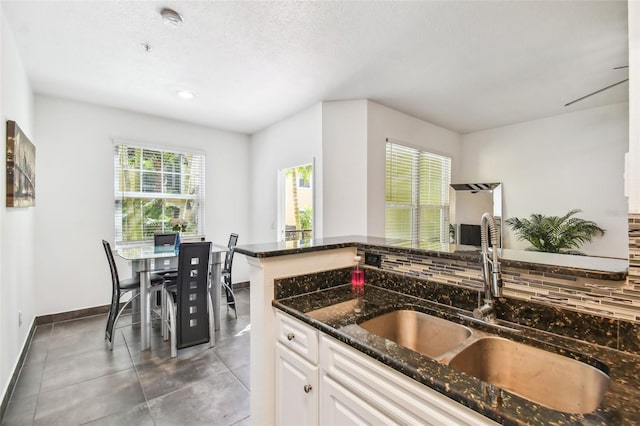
(292, 142)
(263, 332)
(75, 193)
(384, 122)
(553, 165)
(344, 150)
(633, 166)
(17, 237)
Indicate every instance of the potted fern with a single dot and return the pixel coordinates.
(554, 234)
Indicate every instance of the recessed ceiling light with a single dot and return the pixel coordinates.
(185, 94)
(171, 17)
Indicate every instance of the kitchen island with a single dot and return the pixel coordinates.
(325, 311)
(270, 264)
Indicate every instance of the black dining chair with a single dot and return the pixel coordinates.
(118, 289)
(227, 282)
(165, 242)
(167, 267)
(188, 312)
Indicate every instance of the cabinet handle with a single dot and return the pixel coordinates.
(307, 388)
(290, 336)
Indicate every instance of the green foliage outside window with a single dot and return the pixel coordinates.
(305, 218)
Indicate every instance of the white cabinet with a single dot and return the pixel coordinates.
(297, 336)
(401, 399)
(340, 406)
(296, 389)
(296, 393)
(353, 388)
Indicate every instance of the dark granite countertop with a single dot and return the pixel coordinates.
(331, 311)
(282, 248)
(583, 266)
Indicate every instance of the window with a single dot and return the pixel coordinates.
(304, 181)
(153, 186)
(295, 199)
(417, 196)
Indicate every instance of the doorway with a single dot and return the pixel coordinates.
(295, 212)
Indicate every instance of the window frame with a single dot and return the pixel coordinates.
(195, 177)
(415, 206)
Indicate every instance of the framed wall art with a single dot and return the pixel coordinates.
(21, 168)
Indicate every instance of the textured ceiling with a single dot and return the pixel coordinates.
(466, 65)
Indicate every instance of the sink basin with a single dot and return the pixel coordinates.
(420, 332)
(543, 377)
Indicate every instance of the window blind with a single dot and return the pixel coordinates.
(417, 196)
(153, 186)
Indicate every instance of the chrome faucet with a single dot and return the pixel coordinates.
(492, 277)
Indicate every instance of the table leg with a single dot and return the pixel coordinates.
(145, 314)
(216, 277)
(135, 303)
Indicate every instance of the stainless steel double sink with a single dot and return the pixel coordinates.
(546, 378)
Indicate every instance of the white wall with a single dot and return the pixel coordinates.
(553, 165)
(294, 141)
(75, 193)
(17, 263)
(344, 151)
(347, 138)
(470, 206)
(384, 122)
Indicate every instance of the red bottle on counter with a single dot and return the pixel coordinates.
(357, 285)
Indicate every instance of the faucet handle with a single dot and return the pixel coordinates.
(484, 312)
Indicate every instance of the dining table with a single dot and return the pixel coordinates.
(143, 259)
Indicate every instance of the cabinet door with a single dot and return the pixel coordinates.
(342, 407)
(296, 389)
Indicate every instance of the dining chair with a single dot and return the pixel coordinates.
(227, 282)
(188, 312)
(164, 241)
(120, 288)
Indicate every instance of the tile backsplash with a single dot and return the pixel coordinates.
(613, 299)
(634, 251)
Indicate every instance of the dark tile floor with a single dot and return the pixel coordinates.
(71, 378)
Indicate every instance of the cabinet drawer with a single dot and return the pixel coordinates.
(297, 336)
(342, 407)
(395, 395)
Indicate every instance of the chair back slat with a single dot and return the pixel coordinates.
(192, 323)
(233, 241)
(228, 259)
(115, 290)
